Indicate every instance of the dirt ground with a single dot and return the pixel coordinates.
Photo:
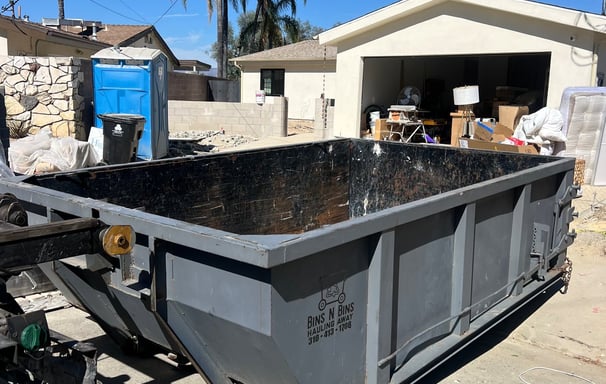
(556, 339)
(296, 126)
(201, 142)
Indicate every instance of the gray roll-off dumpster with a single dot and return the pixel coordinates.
(339, 261)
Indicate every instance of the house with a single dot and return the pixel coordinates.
(193, 66)
(302, 72)
(515, 50)
(20, 37)
(140, 36)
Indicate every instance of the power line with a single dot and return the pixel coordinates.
(116, 13)
(11, 6)
(165, 12)
(134, 11)
(142, 19)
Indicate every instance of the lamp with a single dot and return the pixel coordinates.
(465, 97)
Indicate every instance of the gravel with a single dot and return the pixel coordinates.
(200, 142)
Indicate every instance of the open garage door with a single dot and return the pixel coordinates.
(504, 79)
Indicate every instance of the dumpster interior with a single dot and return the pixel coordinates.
(290, 189)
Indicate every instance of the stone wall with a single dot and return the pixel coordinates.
(257, 120)
(46, 92)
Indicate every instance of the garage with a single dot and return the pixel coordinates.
(516, 52)
(506, 79)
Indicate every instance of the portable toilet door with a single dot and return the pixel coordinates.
(134, 81)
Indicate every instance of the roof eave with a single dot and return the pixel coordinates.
(383, 16)
(82, 41)
(374, 19)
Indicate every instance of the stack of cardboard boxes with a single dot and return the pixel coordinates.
(491, 135)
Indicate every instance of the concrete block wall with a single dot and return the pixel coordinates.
(257, 120)
(324, 118)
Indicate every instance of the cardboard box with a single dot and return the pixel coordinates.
(509, 115)
(493, 146)
(501, 129)
(483, 131)
(495, 107)
(456, 129)
(381, 129)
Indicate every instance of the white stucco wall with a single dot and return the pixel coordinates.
(3, 43)
(461, 29)
(304, 82)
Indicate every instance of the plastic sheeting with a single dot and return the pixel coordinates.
(43, 153)
(543, 128)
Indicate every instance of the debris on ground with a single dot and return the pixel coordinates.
(200, 142)
(46, 301)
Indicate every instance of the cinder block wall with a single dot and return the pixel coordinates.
(324, 118)
(257, 120)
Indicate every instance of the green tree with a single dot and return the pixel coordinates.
(222, 29)
(308, 31)
(247, 43)
(272, 26)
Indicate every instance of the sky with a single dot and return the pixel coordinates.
(188, 31)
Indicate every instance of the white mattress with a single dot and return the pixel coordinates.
(584, 112)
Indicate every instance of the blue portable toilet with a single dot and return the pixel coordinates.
(134, 81)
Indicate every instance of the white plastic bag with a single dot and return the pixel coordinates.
(544, 125)
(42, 153)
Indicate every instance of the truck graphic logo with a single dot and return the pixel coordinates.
(331, 294)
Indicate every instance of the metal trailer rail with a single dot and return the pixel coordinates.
(341, 261)
(29, 351)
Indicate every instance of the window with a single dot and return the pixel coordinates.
(272, 82)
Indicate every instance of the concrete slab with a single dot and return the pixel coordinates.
(114, 366)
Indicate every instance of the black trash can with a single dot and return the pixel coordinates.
(121, 134)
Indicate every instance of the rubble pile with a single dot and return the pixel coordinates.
(199, 142)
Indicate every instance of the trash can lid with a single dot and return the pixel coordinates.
(122, 118)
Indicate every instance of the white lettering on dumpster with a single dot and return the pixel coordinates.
(335, 315)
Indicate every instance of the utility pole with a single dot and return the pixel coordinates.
(10, 6)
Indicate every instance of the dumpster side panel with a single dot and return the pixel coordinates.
(319, 308)
(231, 290)
(218, 303)
(246, 193)
(386, 174)
(227, 351)
(493, 229)
(423, 287)
(309, 328)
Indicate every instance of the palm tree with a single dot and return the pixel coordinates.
(61, 6)
(222, 29)
(271, 27)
